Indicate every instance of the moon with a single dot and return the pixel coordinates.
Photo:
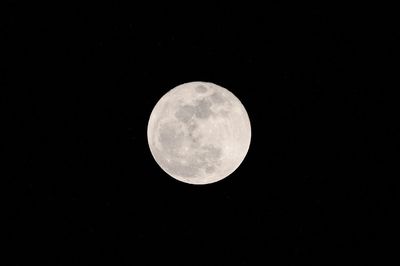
(199, 133)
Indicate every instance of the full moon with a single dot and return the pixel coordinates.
(199, 133)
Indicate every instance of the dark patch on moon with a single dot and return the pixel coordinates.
(185, 113)
(217, 98)
(169, 138)
(202, 109)
(212, 152)
(192, 127)
(201, 89)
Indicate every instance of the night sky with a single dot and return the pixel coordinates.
(82, 188)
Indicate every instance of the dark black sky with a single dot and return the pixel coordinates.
(83, 189)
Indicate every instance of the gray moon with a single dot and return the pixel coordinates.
(199, 133)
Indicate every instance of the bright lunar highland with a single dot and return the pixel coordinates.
(199, 133)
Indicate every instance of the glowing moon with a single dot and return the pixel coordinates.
(199, 133)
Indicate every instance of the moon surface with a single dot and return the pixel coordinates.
(199, 133)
